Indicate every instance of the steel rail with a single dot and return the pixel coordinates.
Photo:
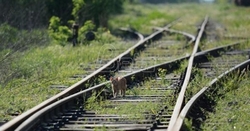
(26, 125)
(140, 74)
(181, 96)
(134, 32)
(178, 124)
(12, 124)
(214, 51)
(181, 32)
(192, 37)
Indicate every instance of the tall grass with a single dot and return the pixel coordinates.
(130, 109)
(232, 106)
(142, 18)
(28, 74)
(41, 67)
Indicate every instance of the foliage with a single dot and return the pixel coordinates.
(78, 4)
(188, 124)
(88, 26)
(134, 18)
(59, 14)
(168, 1)
(24, 87)
(222, 1)
(232, 105)
(162, 74)
(8, 35)
(12, 38)
(99, 11)
(24, 14)
(54, 24)
(129, 109)
(105, 36)
(28, 14)
(26, 76)
(60, 8)
(198, 81)
(183, 66)
(60, 34)
(14, 44)
(91, 101)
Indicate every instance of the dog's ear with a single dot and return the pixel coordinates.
(111, 78)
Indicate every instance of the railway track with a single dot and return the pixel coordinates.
(112, 65)
(76, 118)
(201, 99)
(70, 113)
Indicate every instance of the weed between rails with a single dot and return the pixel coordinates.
(133, 110)
(232, 104)
(222, 107)
(52, 65)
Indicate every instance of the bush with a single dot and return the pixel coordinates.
(8, 36)
(59, 34)
(88, 26)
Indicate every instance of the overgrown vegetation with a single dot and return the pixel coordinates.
(29, 14)
(129, 109)
(32, 75)
(207, 116)
(31, 61)
(232, 105)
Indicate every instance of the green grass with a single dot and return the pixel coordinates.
(129, 109)
(31, 74)
(231, 89)
(158, 52)
(232, 107)
(231, 20)
(40, 68)
(134, 16)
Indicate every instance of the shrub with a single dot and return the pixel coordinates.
(8, 35)
(59, 34)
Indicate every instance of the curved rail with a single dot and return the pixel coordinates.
(192, 101)
(180, 32)
(12, 124)
(134, 32)
(140, 74)
(192, 37)
(181, 96)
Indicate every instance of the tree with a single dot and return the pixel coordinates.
(24, 14)
(61, 9)
(99, 11)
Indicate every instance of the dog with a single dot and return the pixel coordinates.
(118, 84)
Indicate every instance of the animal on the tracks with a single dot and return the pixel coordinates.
(118, 84)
